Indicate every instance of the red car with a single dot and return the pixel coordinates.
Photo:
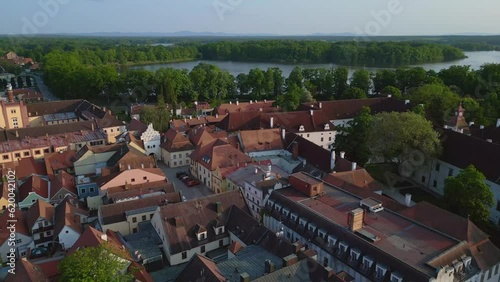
(192, 182)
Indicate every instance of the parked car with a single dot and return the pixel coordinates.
(186, 178)
(192, 182)
(181, 174)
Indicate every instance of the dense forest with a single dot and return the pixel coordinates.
(123, 52)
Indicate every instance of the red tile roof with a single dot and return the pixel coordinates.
(68, 213)
(26, 271)
(266, 106)
(176, 142)
(59, 161)
(235, 247)
(261, 140)
(92, 237)
(28, 166)
(201, 268)
(21, 226)
(219, 154)
(137, 127)
(35, 184)
(63, 180)
(39, 209)
(139, 272)
(50, 269)
(359, 177)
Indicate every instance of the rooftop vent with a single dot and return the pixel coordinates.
(372, 205)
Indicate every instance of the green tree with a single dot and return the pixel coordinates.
(159, 115)
(438, 99)
(291, 99)
(94, 264)
(354, 93)
(361, 79)
(295, 78)
(352, 137)
(383, 79)
(395, 137)
(391, 90)
(257, 82)
(467, 195)
(340, 76)
(242, 83)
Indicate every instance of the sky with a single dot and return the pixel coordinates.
(280, 17)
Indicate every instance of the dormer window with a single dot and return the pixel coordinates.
(293, 217)
(343, 247)
(380, 270)
(327, 126)
(219, 230)
(331, 241)
(202, 235)
(312, 227)
(321, 233)
(302, 129)
(285, 211)
(270, 203)
(355, 254)
(302, 222)
(367, 262)
(277, 207)
(396, 277)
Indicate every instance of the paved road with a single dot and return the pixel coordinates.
(43, 88)
(188, 192)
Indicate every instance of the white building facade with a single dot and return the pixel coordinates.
(152, 140)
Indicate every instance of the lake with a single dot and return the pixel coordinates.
(474, 59)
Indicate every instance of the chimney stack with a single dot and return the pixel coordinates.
(218, 207)
(471, 123)
(271, 122)
(320, 105)
(283, 133)
(342, 154)
(312, 112)
(332, 160)
(353, 166)
(407, 102)
(230, 102)
(489, 140)
(256, 170)
(104, 237)
(269, 266)
(295, 150)
(178, 221)
(10, 93)
(237, 103)
(244, 277)
(290, 260)
(356, 219)
(498, 122)
(408, 200)
(482, 127)
(251, 102)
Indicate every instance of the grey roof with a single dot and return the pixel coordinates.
(145, 242)
(250, 260)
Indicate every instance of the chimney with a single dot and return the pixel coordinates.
(251, 102)
(312, 112)
(445, 126)
(356, 219)
(244, 277)
(471, 123)
(104, 237)
(128, 167)
(283, 133)
(342, 154)
(265, 101)
(289, 260)
(353, 166)
(93, 126)
(230, 102)
(269, 266)
(295, 150)
(407, 102)
(489, 140)
(498, 122)
(320, 105)
(17, 134)
(304, 162)
(216, 115)
(389, 96)
(260, 109)
(237, 103)
(271, 122)
(482, 127)
(332, 160)
(104, 108)
(256, 170)
(408, 200)
(10, 93)
(218, 207)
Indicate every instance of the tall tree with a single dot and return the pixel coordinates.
(468, 195)
(383, 79)
(354, 93)
(361, 79)
(352, 137)
(295, 78)
(438, 99)
(94, 264)
(340, 76)
(396, 137)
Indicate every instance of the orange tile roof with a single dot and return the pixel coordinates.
(63, 180)
(261, 140)
(35, 184)
(68, 213)
(39, 209)
(21, 226)
(26, 271)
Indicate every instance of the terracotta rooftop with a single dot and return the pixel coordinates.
(63, 180)
(130, 191)
(50, 130)
(203, 134)
(261, 140)
(400, 243)
(128, 156)
(347, 109)
(67, 213)
(219, 154)
(137, 126)
(21, 226)
(50, 269)
(255, 106)
(113, 213)
(27, 271)
(59, 161)
(359, 177)
(39, 209)
(92, 238)
(34, 184)
(199, 212)
(462, 150)
(235, 247)
(176, 142)
(201, 268)
(28, 166)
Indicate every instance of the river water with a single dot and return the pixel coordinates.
(474, 59)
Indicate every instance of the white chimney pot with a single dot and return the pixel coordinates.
(342, 154)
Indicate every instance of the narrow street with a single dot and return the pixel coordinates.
(43, 88)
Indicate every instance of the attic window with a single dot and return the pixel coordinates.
(331, 241)
(202, 236)
(312, 227)
(321, 233)
(367, 262)
(277, 207)
(301, 128)
(285, 211)
(302, 222)
(293, 217)
(327, 126)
